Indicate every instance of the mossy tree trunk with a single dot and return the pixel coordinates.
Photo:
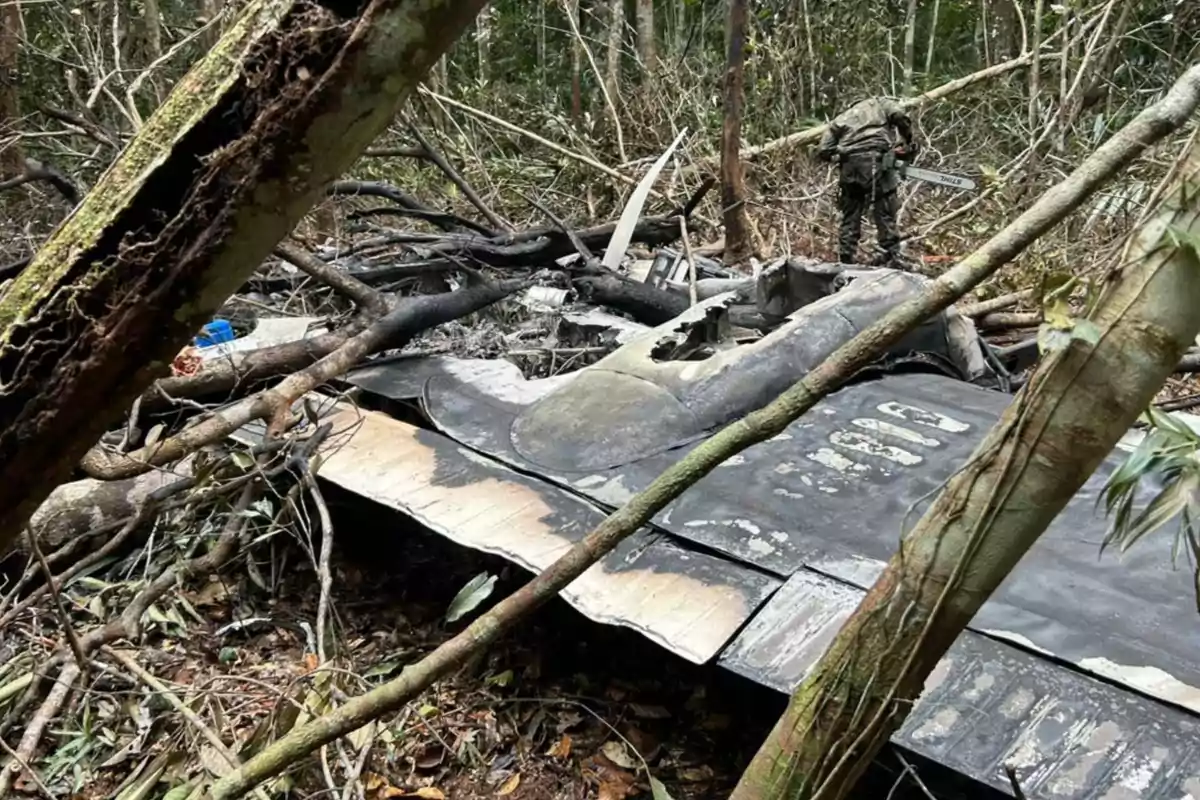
(240, 150)
(1061, 425)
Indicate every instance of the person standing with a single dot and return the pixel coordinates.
(865, 140)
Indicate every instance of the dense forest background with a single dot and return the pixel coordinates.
(547, 112)
(613, 82)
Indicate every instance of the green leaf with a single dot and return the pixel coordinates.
(1051, 340)
(503, 679)
(1086, 331)
(180, 792)
(659, 791)
(470, 596)
(1184, 237)
(242, 460)
(383, 668)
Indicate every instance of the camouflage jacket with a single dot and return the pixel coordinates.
(867, 127)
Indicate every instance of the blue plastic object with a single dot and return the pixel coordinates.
(215, 332)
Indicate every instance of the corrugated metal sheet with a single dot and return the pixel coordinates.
(689, 602)
(870, 454)
(987, 704)
(833, 492)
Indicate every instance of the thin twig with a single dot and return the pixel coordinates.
(432, 154)
(63, 618)
(33, 776)
(40, 721)
(361, 763)
(331, 276)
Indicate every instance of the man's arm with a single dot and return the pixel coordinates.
(828, 147)
(900, 120)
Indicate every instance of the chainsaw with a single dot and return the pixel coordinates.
(928, 175)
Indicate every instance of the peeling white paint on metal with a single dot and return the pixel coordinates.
(1025, 753)
(982, 682)
(789, 495)
(786, 467)
(1100, 741)
(1017, 638)
(937, 676)
(614, 491)
(937, 725)
(733, 461)
(855, 570)
(1191, 788)
(746, 525)
(781, 437)
(1017, 703)
(759, 545)
(779, 536)
(870, 446)
(807, 481)
(589, 481)
(828, 457)
(1151, 680)
(888, 429)
(1135, 774)
(920, 416)
(503, 379)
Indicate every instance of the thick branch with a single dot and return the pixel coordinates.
(394, 330)
(37, 171)
(409, 205)
(457, 179)
(366, 297)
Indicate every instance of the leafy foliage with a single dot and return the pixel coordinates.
(1167, 456)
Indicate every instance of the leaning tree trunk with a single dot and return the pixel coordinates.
(240, 150)
(1045, 446)
(733, 176)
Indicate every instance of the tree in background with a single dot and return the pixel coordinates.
(738, 247)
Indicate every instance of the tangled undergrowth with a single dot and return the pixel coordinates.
(563, 708)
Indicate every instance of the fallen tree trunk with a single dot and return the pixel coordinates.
(243, 370)
(1070, 415)
(393, 330)
(75, 509)
(643, 302)
(1150, 126)
(244, 145)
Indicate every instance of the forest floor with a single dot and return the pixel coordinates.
(561, 709)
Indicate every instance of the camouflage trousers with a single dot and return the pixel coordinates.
(863, 185)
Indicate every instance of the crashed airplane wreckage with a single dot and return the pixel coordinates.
(1082, 674)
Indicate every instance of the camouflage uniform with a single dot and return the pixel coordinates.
(861, 140)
